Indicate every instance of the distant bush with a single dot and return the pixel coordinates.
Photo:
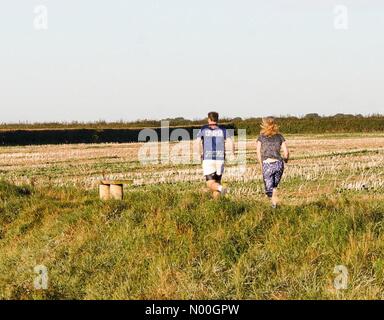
(312, 116)
(312, 124)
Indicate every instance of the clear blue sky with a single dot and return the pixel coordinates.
(125, 59)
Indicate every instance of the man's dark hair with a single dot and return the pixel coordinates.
(213, 116)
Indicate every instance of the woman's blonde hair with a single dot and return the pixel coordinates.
(269, 127)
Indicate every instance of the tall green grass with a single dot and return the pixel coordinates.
(173, 242)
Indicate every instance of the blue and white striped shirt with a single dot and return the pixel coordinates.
(213, 142)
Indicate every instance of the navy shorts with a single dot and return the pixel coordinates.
(214, 177)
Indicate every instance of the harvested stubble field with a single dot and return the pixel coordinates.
(168, 239)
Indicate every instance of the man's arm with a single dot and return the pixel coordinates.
(198, 147)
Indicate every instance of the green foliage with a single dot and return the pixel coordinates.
(167, 242)
(312, 124)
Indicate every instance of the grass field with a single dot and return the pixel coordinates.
(169, 240)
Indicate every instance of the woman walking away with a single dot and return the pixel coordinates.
(269, 145)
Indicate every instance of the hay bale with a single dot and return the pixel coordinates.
(116, 191)
(104, 191)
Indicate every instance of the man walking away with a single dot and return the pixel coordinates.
(213, 138)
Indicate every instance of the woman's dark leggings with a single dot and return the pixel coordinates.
(272, 173)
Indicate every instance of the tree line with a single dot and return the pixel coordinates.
(121, 132)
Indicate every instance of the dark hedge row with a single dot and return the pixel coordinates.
(71, 136)
(111, 133)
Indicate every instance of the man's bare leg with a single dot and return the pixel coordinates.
(214, 187)
(216, 195)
